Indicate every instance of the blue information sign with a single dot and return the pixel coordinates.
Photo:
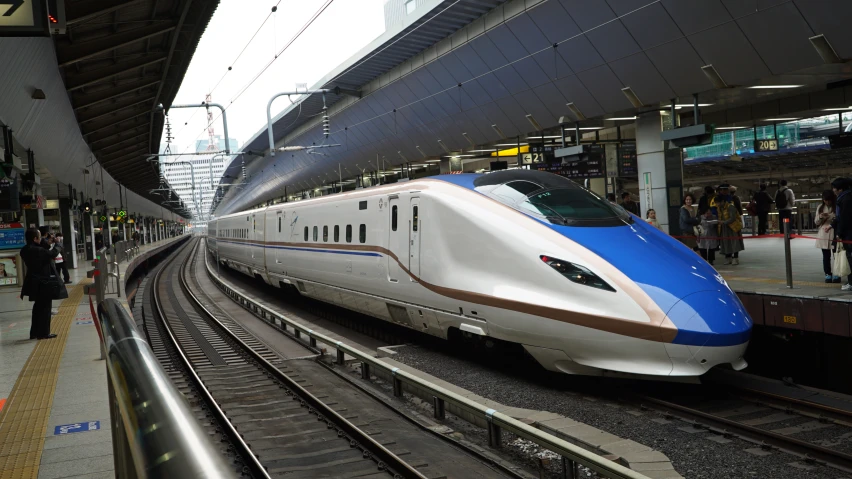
(12, 236)
(79, 427)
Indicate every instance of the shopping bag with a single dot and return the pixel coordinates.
(841, 262)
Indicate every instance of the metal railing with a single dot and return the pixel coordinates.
(571, 455)
(155, 433)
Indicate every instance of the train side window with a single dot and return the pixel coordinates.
(306, 233)
(362, 233)
(316, 234)
(362, 205)
(348, 233)
(325, 234)
(414, 220)
(393, 218)
(336, 233)
(279, 224)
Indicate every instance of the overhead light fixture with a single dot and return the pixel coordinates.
(584, 128)
(825, 50)
(731, 127)
(469, 140)
(773, 87)
(533, 122)
(838, 109)
(421, 152)
(444, 146)
(433, 161)
(576, 111)
(714, 77)
(511, 144)
(462, 156)
(402, 156)
(678, 106)
(622, 118)
(780, 119)
(631, 97)
(498, 130)
(539, 138)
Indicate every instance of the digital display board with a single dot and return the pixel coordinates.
(627, 160)
(592, 166)
(12, 236)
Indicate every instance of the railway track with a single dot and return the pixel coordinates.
(280, 412)
(818, 433)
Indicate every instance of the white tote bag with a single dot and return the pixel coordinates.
(841, 263)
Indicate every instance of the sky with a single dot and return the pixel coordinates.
(340, 31)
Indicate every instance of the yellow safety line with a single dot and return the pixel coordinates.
(23, 421)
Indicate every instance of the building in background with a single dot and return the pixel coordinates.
(208, 173)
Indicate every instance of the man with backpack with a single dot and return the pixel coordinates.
(784, 201)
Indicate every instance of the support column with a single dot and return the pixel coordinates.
(106, 231)
(89, 228)
(40, 212)
(660, 172)
(66, 226)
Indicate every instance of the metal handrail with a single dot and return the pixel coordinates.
(155, 433)
(496, 420)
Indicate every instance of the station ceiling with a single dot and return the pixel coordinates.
(119, 60)
(522, 60)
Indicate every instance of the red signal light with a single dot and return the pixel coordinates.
(52, 19)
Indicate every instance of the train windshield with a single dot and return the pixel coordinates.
(552, 198)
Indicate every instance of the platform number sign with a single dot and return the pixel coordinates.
(765, 145)
(790, 319)
(78, 427)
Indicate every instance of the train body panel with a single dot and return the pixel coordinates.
(442, 253)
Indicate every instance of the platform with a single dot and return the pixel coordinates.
(54, 408)
(760, 282)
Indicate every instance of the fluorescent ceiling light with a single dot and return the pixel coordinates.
(772, 87)
(540, 137)
(838, 109)
(625, 118)
(731, 127)
(689, 105)
(585, 128)
(513, 144)
(779, 119)
(481, 151)
(432, 161)
(460, 156)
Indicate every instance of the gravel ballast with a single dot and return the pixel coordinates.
(695, 453)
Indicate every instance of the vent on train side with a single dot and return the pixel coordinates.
(362, 205)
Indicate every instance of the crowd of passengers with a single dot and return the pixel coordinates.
(713, 223)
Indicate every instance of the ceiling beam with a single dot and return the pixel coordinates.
(109, 123)
(115, 107)
(108, 145)
(81, 101)
(81, 11)
(107, 156)
(68, 54)
(140, 151)
(75, 81)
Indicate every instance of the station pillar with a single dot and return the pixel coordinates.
(660, 172)
(66, 226)
(106, 231)
(40, 211)
(89, 228)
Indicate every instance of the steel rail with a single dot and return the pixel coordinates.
(385, 458)
(255, 467)
(571, 454)
(794, 446)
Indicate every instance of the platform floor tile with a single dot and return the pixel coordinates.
(24, 417)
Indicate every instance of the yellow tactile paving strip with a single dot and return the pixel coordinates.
(23, 421)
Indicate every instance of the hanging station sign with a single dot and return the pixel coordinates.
(23, 18)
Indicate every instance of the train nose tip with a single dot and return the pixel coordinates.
(710, 318)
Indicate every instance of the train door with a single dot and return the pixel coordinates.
(253, 238)
(278, 234)
(414, 242)
(396, 239)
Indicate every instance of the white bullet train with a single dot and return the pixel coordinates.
(521, 256)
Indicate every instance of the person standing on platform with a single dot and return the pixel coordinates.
(763, 204)
(784, 201)
(687, 221)
(651, 218)
(825, 232)
(40, 269)
(611, 198)
(628, 204)
(708, 240)
(843, 220)
(730, 226)
(61, 265)
(707, 200)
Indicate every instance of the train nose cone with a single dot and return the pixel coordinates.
(710, 318)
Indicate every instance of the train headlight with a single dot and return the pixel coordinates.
(577, 273)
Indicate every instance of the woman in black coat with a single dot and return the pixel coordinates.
(40, 267)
